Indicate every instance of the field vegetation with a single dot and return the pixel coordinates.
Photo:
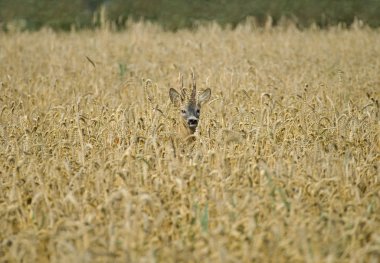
(285, 167)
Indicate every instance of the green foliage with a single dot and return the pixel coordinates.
(122, 69)
(52, 13)
(204, 219)
(174, 15)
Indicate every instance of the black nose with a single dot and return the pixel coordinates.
(193, 122)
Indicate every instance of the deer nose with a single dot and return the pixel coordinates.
(192, 121)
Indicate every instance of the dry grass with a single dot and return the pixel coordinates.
(286, 167)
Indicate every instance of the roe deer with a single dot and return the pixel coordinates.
(190, 104)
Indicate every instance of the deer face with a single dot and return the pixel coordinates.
(189, 104)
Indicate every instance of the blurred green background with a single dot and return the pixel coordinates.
(173, 15)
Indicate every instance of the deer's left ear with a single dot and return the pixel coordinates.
(175, 97)
(204, 96)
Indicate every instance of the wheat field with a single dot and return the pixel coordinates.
(285, 167)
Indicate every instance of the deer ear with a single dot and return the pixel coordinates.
(204, 96)
(175, 97)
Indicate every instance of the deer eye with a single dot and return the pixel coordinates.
(183, 111)
(198, 111)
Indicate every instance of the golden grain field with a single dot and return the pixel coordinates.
(285, 167)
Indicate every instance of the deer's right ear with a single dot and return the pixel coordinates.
(204, 96)
(175, 97)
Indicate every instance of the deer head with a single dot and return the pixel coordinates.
(189, 103)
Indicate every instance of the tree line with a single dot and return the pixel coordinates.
(177, 14)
